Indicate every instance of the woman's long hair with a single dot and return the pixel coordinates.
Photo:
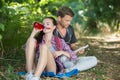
(39, 36)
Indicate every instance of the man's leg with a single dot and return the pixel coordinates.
(84, 63)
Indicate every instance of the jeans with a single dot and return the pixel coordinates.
(82, 63)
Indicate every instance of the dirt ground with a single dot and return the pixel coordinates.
(107, 50)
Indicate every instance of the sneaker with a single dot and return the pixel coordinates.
(35, 78)
(29, 76)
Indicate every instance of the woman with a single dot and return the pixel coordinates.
(52, 53)
(49, 53)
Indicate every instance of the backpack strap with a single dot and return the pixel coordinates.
(58, 43)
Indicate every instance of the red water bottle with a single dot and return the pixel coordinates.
(37, 25)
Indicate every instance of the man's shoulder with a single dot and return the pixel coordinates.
(70, 28)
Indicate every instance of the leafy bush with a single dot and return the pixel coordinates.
(1, 28)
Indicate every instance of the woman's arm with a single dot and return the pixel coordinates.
(59, 53)
(34, 32)
(67, 49)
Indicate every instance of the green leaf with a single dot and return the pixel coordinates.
(2, 27)
(0, 37)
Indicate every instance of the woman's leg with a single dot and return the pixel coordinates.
(30, 54)
(45, 60)
(51, 64)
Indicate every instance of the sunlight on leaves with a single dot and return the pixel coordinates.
(31, 1)
(2, 27)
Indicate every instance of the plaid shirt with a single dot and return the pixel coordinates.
(64, 47)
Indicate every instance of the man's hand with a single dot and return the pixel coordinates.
(73, 46)
(81, 50)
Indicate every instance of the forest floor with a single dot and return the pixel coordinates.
(107, 51)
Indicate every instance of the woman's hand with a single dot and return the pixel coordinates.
(34, 32)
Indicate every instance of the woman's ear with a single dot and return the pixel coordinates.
(54, 27)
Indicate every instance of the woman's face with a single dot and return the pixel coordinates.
(49, 26)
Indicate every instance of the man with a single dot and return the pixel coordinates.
(64, 30)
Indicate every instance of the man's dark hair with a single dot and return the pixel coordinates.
(65, 11)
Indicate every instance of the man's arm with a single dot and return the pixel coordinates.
(78, 49)
(81, 48)
(73, 46)
(73, 39)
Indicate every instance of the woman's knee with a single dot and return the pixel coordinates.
(31, 41)
(43, 49)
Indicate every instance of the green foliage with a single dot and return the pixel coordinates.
(105, 11)
(1, 28)
(0, 37)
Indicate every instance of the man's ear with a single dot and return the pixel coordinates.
(59, 18)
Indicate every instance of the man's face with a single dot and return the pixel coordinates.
(65, 21)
